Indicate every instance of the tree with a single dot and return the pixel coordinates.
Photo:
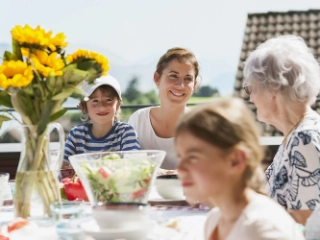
(152, 97)
(132, 91)
(207, 91)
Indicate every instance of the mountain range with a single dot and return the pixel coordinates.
(215, 72)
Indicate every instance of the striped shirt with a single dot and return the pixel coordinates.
(121, 137)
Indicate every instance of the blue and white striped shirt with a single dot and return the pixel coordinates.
(121, 137)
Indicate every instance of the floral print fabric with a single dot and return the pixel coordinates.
(294, 176)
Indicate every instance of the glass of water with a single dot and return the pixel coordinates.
(67, 215)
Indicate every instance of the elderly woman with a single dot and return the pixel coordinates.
(282, 78)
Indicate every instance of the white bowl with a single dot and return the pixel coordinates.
(120, 216)
(137, 233)
(169, 187)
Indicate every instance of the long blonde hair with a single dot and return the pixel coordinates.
(227, 124)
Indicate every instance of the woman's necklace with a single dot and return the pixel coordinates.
(293, 126)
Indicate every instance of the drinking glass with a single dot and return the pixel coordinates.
(67, 215)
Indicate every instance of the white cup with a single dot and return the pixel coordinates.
(169, 187)
(5, 187)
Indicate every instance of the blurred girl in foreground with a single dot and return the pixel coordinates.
(220, 163)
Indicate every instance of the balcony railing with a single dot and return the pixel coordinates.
(10, 152)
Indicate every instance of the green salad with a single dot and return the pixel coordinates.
(119, 180)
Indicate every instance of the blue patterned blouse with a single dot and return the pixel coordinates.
(294, 176)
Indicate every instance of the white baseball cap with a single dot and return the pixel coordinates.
(103, 80)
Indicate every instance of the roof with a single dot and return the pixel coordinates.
(262, 26)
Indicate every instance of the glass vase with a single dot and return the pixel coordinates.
(36, 183)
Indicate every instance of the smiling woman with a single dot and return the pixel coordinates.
(176, 79)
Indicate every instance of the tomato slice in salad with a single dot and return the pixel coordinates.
(105, 172)
(139, 193)
(147, 180)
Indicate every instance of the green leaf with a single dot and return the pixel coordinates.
(3, 119)
(39, 90)
(45, 117)
(29, 107)
(77, 76)
(29, 90)
(65, 93)
(69, 67)
(50, 82)
(16, 50)
(58, 85)
(86, 64)
(7, 56)
(58, 114)
(76, 89)
(67, 75)
(26, 105)
(5, 99)
(77, 96)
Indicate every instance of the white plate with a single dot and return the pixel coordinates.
(166, 200)
(155, 197)
(91, 228)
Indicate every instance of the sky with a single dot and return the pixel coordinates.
(140, 31)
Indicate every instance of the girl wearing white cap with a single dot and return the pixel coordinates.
(101, 129)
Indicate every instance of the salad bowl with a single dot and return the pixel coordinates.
(118, 177)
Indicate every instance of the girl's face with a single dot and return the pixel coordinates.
(177, 81)
(205, 170)
(102, 107)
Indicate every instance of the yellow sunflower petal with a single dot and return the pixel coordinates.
(15, 74)
(38, 36)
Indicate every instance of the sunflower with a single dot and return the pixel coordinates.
(58, 41)
(38, 36)
(25, 52)
(15, 74)
(80, 54)
(46, 64)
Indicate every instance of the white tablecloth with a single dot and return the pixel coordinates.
(189, 221)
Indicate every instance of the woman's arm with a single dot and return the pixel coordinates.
(303, 191)
(300, 216)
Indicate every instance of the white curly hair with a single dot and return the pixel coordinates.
(286, 64)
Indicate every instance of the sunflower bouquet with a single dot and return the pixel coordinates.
(36, 78)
